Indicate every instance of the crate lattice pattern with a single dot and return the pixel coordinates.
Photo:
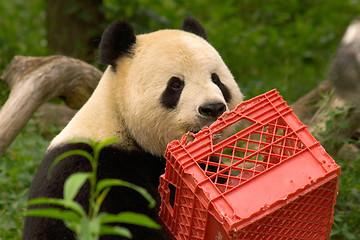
(252, 154)
(191, 219)
(268, 141)
(314, 209)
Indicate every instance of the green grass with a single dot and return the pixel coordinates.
(22, 32)
(347, 210)
(17, 168)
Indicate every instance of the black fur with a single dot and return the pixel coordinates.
(193, 26)
(116, 41)
(136, 167)
(170, 97)
(225, 91)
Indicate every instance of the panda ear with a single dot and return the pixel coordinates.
(193, 26)
(116, 41)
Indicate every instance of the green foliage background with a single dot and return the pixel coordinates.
(279, 44)
(286, 45)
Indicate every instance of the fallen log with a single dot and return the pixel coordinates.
(35, 80)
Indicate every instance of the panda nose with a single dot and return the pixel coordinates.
(212, 110)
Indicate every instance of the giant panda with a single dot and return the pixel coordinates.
(157, 86)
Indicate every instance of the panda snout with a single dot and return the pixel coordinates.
(212, 110)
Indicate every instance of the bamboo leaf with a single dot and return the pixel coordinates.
(55, 213)
(85, 231)
(74, 206)
(87, 141)
(119, 183)
(73, 184)
(94, 226)
(100, 199)
(105, 143)
(119, 231)
(68, 154)
(130, 218)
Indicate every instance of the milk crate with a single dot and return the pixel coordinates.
(271, 180)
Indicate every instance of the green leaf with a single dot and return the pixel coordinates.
(73, 184)
(87, 141)
(100, 199)
(89, 229)
(55, 213)
(98, 147)
(119, 183)
(129, 218)
(116, 230)
(84, 230)
(105, 143)
(67, 154)
(95, 226)
(74, 206)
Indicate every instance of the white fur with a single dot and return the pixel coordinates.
(126, 103)
(352, 33)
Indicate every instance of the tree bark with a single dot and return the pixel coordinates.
(34, 80)
(74, 27)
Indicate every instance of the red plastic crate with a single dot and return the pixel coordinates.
(271, 180)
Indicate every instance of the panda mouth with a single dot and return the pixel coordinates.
(198, 129)
(194, 131)
(216, 137)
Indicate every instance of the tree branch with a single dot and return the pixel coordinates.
(35, 80)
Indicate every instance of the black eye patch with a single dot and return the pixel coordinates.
(225, 91)
(170, 97)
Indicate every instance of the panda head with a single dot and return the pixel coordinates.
(166, 83)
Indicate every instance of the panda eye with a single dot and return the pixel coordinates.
(176, 84)
(215, 78)
(225, 91)
(171, 96)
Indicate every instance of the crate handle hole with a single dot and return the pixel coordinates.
(172, 189)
